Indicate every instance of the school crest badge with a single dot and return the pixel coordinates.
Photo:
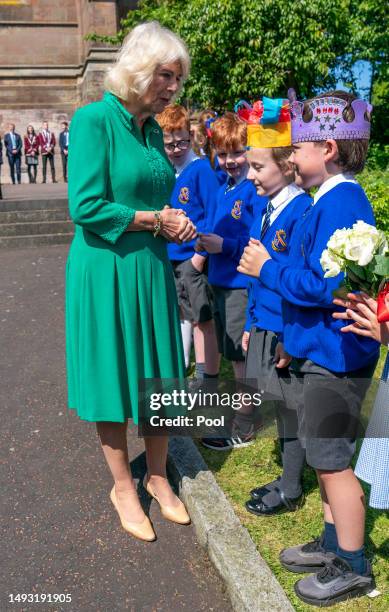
(279, 241)
(183, 197)
(236, 210)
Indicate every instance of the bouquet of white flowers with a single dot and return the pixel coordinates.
(362, 254)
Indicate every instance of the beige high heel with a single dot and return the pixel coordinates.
(142, 531)
(176, 514)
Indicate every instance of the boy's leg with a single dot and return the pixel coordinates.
(18, 169)
(200, 306)
(44, 168)
(331, 407)
(347, 506)
(285, 492)
(11, 161)
(52, 167)
(206, 348)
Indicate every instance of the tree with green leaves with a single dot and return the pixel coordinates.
(249, 48)
(246, 48)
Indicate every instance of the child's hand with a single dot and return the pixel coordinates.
(245, 340)
(361, 311)
(212, 243)
(198, 262)
(253, 258)
(282, 358)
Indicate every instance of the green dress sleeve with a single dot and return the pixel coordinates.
(88, 176)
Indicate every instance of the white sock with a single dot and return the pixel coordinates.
(186, 332)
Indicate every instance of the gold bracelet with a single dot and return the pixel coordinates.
(158, 223)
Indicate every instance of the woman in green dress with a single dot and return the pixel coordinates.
(122, 320)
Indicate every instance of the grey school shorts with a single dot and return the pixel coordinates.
(261, 367)
(194, 293)
(328, 406)
(230, 319)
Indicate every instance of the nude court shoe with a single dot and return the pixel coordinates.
(142, 531)
(176, 514)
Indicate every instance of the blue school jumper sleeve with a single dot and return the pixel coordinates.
(264, 308)
(194, 191)
(234, 215)
(310, 331)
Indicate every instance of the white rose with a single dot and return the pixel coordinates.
(338, 241)
(329, 264)
(361, 249)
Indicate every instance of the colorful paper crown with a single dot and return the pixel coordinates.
(327, 120)
(268, 122)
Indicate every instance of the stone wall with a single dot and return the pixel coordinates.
(47, 68)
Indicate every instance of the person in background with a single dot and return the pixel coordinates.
(200, 131)
(1, 163)
(31, 151)
(194, 192)
(64, 146)
(47, 144)
(272, 174)
(236, 206)
(13, 147)
(330, 371)
(373, 461)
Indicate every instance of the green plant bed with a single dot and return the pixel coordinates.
(237, 472)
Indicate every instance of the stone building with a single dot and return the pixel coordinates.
(47, 68)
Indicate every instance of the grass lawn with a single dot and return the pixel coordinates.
(239, 471)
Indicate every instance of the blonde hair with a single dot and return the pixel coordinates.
(146, 47)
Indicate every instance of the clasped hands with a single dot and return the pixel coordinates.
(176, 226)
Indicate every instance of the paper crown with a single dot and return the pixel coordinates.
(327, 119)
(268, 122)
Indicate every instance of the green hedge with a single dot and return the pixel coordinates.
(376, 185)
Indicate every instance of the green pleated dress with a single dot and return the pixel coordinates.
(122, 319)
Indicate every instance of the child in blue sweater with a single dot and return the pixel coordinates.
(194, 192)
(237, 204)
(330, 371)
(273, 176)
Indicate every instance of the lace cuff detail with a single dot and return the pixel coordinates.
(118, 224)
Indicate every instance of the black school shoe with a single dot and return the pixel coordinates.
(286, 504)
(306, 558)
(334, 583)
(259, 492)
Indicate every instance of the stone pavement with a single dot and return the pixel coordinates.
(36, 191)
(59, 531)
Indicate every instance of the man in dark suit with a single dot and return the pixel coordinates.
(1, 162)
(47, 144)
(13, 147)
(64, 145)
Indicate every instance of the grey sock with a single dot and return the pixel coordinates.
(293, 460)
(272, 498)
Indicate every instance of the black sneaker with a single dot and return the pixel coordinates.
(336, 582)
(306, 558)
(226, 444)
